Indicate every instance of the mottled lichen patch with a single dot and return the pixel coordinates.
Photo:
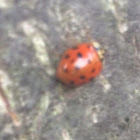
(117, 8)
(58, 109)
(66, 135)
(6, 4)
(105, 83)
(69, 22)
(38, 40)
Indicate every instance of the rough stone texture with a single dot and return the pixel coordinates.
(33, 35)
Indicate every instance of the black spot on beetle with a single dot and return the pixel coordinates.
(88, 46)
(79, 54)
(67, 56)
(93, 70)
(91, 79)
(82, 77)
(72, 82)
(66, 70)
(72, 61)
(77, 68)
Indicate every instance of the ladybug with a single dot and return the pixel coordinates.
(80, 64)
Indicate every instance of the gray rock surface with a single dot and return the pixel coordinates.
(33, 35)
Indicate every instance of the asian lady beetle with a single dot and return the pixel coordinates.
(80, 64)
